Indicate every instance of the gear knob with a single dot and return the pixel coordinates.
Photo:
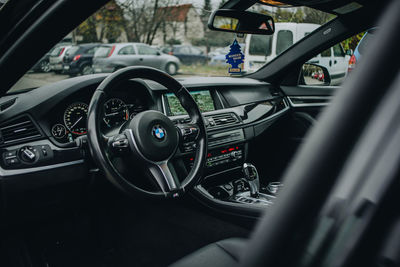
(251, 175)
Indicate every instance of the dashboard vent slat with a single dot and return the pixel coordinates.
(21, 129)
(223, 119)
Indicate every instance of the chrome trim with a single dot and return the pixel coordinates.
(163, 104)
(14, 125)
(220, 99)
(264, 199)
(23, 138)
(322, 104)
(5, 173)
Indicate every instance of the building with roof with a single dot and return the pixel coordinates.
(181, 24)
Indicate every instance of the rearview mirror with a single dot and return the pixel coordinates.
(241, 22)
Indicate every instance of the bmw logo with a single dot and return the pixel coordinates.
(158, 132)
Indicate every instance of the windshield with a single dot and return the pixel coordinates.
(170, 35)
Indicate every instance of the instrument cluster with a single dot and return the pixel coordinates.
(74, 119)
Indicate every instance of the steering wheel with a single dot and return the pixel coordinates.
(149, 138)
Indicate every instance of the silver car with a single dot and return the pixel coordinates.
(56, 58)
(111, 57)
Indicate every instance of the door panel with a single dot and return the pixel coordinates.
(272, 151)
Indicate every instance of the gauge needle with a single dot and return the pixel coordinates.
(112, 114)
(73, 125)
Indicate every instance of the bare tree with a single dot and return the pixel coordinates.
(143, 18)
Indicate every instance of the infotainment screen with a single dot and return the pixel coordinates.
(202, 98)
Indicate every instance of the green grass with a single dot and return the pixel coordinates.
(204, 70)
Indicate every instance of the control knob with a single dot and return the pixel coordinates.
(27, 154)
(234, 154)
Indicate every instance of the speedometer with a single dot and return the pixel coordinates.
(115, 112)
(75, 118)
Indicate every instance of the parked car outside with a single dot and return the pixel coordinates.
(43, 65)
(187, 54)
(56, 58)
(218, 51)
(78, 59)
(261, 49)
(111, 57)
(355, 58)
(218, 56)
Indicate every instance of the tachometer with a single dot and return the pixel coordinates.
(115, 112)
(75, 118)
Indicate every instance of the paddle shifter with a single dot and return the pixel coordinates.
(251, 175)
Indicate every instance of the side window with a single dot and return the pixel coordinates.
(284, 41)
(146, 50)
(326, 53)
(91, 51)
(260, 45)
(184, 50)
(196, 51)
(338, 51)
(127, 50)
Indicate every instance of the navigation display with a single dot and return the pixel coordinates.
(202, 98)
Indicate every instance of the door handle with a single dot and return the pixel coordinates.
(335, 62)
(330, 63)
(141, 59)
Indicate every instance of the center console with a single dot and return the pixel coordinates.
(229, 184)
(243, 187)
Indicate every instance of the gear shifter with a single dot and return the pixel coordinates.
(251, 175)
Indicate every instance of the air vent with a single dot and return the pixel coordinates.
(7, 104)
(223, 119)
(19, 130)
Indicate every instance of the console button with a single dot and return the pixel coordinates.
(12, 161)
(10, 154)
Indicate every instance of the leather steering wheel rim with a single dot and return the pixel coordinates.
(98, 144)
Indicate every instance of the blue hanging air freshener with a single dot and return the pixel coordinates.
(235, 57)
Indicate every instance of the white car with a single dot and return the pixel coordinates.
(261, 49)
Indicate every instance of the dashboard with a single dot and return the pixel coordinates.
(42, 131)
(234, 110)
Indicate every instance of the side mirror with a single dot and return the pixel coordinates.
(313, 74)
(158, 53)
(239, 21)
(349, 52)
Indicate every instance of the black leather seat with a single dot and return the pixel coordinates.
(223, 253)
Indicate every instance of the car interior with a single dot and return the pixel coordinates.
(140, 168)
